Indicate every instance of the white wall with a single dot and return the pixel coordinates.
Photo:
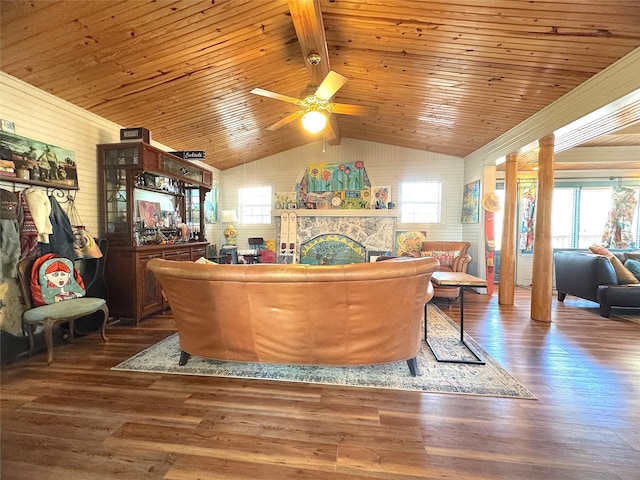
(385, 165)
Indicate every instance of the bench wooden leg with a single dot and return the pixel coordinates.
(105, 312)
(48, 338)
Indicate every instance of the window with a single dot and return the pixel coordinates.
(594, 207)
(421, 202)
(562, 218)
(579, 215)
(254, 205)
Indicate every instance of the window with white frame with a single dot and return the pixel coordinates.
(578, 216)
(421, 202)
(254, 205)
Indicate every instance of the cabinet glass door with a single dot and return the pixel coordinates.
(116, 200)
(121, 156)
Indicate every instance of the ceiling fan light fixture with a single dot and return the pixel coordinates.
(314, 121)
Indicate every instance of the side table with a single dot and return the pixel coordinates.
(462, 280)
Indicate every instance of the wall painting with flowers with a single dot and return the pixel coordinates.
(342, 185)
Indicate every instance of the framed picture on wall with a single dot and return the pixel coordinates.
(471, 203)
(39, 162)
(211, 204)
(409, 242)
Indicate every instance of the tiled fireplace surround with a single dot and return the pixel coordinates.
(374, 232)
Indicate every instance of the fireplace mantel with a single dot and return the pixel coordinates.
(331, 212)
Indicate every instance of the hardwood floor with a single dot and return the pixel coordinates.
(77, 419)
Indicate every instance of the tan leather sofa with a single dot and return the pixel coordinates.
(453, 257)
(357, 314)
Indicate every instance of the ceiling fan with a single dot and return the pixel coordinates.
(316, 100)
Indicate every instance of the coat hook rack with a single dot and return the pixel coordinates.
(60, 195)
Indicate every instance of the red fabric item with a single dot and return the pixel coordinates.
(28, 230)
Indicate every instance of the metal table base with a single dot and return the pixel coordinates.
(477, 361)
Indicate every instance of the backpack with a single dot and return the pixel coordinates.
(54, 279)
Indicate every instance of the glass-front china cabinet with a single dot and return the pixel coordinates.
(152, 206)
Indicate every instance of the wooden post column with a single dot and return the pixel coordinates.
(541, 288)
(507, 282)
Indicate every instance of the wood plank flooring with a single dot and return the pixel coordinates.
(77, 419)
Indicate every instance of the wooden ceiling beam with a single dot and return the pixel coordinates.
(307, 21)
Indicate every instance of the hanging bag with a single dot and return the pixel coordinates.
(84, 244)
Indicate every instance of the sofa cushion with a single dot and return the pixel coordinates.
(633, 266)
(624, 275)
(632, 255)
(445, 257)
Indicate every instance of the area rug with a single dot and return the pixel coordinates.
(489, 379)
(630, 315)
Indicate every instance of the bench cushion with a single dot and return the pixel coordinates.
(68, 309)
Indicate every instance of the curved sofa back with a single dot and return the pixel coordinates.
(354, 314)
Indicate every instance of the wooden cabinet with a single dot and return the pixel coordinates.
(152, 206)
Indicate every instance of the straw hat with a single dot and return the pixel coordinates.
(491, 202)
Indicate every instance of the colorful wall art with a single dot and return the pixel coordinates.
(211, 204)
(409, 242)
(33, 160)
(334, 185)
(471, 203)
(380, 197)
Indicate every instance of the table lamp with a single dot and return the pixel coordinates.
(230, 233)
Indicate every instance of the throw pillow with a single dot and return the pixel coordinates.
(445, 257)
(54, 279)
(599, 250)
(624, 275)
(632, 255)
(204, 261)
(633, 266)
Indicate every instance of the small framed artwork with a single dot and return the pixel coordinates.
(380, 197)
(211, 204)
(471, 203)
(409, 242)
(149, 212)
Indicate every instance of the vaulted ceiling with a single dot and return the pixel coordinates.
(443, 76)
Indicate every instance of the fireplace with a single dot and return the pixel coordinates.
(332, 249)
(369, 230)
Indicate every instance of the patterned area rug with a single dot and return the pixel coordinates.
(630, 315)
(489, 379)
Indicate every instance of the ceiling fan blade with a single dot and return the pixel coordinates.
(289, 118)
(276, 96)
(330, 85)
(329, 132)
(346, 109)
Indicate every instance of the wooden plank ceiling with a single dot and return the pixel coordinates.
(445, 76)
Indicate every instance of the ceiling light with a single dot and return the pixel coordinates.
(313, 121)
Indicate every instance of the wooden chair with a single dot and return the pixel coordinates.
(50, 315)
(256, 243)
